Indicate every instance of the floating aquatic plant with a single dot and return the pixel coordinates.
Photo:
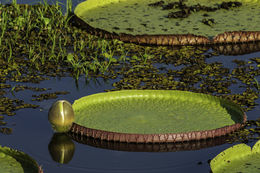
(17, 162)
(239, 158)
(171, 22)
(148, 116)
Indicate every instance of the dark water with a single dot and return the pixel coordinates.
(61, 2)
(32, 134)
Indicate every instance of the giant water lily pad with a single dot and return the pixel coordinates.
(155, 116)
(13, 161)
(239, 158)
(173, 22)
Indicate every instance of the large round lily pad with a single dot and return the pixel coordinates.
(13, 161)
(155, 116)
(173, 22)
(239, 158)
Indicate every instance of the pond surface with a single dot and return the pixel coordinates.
(61, 2)
(32, 133)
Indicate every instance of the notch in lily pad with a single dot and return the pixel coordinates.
(239, 158)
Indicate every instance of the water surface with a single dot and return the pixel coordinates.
(32, 133)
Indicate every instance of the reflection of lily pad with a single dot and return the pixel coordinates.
(17, 162)
(237, 49)
(155, 116)
(158, 22)
(149, 147)
(239, 158)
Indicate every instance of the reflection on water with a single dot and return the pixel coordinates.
(61, 2)
(149, 147)
(61, 148)
(92, 159)
(237, 49)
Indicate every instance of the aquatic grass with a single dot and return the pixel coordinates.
(60, 48)
(42, 59)
(145, 56)
(31, 50)
(77, 66)
(85, 70)
(81, 45)
(18, 24)
(93, 66)
(122, 52)
(45, 5)
(66, 21)
(257, 84)
(55, 11)
(3, 21)
(68, 7)
(10, 53)
(53, 39)
(1, 52)
(29, 25)
(14, 3)
(108, 55)
(44, 21)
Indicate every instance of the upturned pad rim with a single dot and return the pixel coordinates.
(233, 36)
(157, 138)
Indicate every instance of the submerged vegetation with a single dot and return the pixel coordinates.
(39, 42)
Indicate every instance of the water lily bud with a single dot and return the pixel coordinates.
(61, 116)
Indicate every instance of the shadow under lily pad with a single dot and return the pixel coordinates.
(149, 147)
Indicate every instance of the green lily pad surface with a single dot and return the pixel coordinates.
(13, 161)
(159, 17)
(239, 158)
(155, 112)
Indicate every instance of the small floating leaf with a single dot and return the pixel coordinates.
(239, 158)
(13, 161)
